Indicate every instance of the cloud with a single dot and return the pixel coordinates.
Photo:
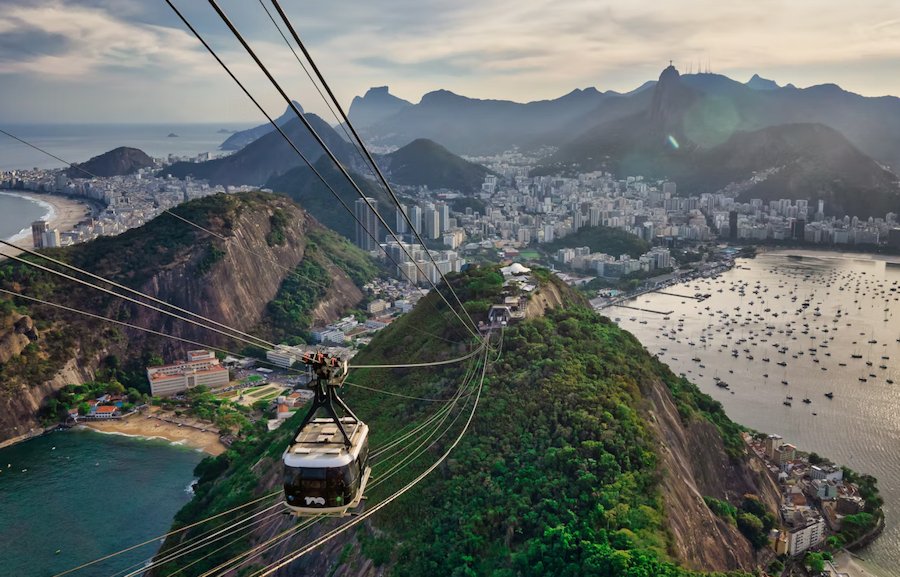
(514, 49)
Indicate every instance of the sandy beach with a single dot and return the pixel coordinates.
(853, 566)
(142, 425)
(64, 213)
(67, 212)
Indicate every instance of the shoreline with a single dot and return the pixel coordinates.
(61, 212)
(144, 426)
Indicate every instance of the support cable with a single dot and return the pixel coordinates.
(336, 162)
(365, 150)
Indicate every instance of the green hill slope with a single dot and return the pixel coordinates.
(612, 241)
(425, 162)
(253, 278)
(563, 472)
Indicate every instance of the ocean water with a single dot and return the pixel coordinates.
(17, 213)
(79, 142)
(852, 300)
(70, 497)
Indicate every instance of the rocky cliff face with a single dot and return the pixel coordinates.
(694, 465)
(20, 406)
(17, 332)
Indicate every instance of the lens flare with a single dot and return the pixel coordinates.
(673, 142)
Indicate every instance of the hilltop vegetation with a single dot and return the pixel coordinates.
(117, 162)
(301, 185)
(612, 241)
(425, 162)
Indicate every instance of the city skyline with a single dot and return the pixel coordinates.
(101, 61)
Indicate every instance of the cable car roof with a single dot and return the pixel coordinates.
(320, 444)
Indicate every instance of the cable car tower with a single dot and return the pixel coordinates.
(326, 465)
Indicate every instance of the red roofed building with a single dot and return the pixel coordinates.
(105, 412)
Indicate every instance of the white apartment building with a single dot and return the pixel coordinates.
(201, 368)
(809, 535)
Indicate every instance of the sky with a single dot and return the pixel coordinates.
(86, 61)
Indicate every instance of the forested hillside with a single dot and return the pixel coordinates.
(563, 471)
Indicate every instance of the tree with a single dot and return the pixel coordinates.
(752, 528)
(815, 562)
(84, 409)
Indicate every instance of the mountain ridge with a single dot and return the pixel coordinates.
(268, 155)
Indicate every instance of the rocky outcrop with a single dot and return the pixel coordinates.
(18, 332)
(695, 464)
(19, 407)
(341, 294)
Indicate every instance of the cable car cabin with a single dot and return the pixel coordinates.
(322, 475)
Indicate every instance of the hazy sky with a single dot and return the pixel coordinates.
(132, 60)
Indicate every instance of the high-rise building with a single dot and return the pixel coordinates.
(368, 220)
(50, 239)
(798, 229)
(733, 225)
(444, 212)
(432, 224)
(402, 227)
(415, 215)
(38, 228)
(595, 215)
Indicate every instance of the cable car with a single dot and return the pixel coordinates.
(326, 465)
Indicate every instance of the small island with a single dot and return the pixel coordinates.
(172, 135)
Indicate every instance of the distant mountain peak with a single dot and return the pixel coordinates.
(377, 90)
(670, 97)
(757, 82)
(377, 104)
(440, 96)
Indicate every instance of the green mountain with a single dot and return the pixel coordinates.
(586, 457)
(267, 156)
(612, 241)
(301, 185)
(117, 162)
(686, 135)
(255, 279)
(424, 162)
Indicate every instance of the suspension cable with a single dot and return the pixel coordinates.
(236, 33)
(273, 567)
(133, 291)
(127, 298)
(166, 535)
(365, 150)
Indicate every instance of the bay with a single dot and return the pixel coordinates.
(756, 310)
(17, 213)
(80, 142)
(70, 497)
